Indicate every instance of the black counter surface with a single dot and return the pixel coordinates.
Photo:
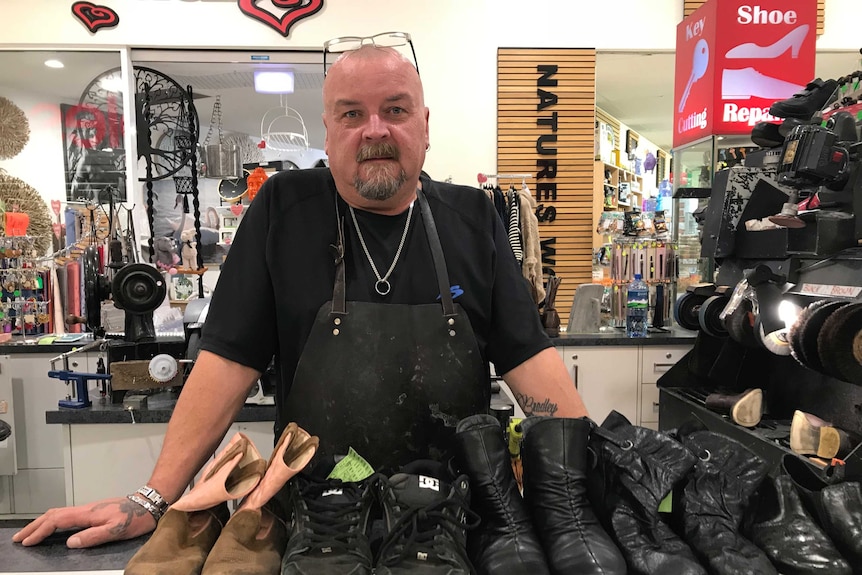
(159, 409)
(53, 556)
(675, 336)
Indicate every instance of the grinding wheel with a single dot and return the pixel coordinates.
(811, 331)
(740, 326)
(708, 315)
(686, 311)
(840, 343)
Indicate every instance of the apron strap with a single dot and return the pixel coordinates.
(437, 255)
(339, 292)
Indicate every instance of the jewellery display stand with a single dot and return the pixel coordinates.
(25, 306)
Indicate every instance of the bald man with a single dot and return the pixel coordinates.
(382, 294)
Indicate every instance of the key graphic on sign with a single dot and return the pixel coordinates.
(699, 64)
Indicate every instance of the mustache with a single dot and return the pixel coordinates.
(374, 151)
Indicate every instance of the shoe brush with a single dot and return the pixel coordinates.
(811, 332)
(839, 343)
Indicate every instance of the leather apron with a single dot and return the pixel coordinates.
(389, 380)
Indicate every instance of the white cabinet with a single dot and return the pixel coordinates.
(111, 460)
(606, 377)
(655, 361)
(621, 378)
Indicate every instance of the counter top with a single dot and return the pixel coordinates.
(159, 409)
(29, 344)
(53, 557)
(675, 336)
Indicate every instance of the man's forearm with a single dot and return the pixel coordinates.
(211, 397)
(542, 386)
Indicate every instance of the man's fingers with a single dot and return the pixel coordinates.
(93, 536)
(55, 519)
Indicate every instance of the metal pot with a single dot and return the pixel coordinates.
(222, 161)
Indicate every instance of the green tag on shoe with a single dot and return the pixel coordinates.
(666, 505)
(352, 468)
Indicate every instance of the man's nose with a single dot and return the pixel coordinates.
(376, 128)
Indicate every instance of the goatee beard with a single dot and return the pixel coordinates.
(380, 185)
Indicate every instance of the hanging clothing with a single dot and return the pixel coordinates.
(515, 225)
(532, 248)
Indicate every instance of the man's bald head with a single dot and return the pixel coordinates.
(385, 57)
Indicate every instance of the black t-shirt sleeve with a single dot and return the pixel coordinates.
(241, 322)
(516, 332)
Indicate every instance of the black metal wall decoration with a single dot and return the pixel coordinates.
(95, 17)
(295, 10)
(164, 137)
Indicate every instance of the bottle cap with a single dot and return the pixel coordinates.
(638, 276)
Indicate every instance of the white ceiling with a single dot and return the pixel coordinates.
(634, 87)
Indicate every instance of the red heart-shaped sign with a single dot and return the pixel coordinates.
(55, 207)
(58, 229)
(95, 17)
(236, 209)
(296, 10)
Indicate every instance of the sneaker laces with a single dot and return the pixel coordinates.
(419, 529)
(332, 525)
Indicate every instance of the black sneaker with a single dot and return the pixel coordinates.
(425, 518)
(328, 521)
(813, 98)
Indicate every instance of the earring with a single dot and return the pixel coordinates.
(427, 147)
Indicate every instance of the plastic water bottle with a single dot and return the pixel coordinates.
(637, 306)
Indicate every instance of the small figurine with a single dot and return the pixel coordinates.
(166, 255)
(189, 249)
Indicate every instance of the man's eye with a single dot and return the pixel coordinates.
(396, 110)
(351, 114)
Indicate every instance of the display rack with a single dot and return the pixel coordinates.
(25, 304)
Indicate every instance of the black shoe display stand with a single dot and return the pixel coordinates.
(787, 386)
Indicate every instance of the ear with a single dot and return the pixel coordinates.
(326, 138)
(427, 127)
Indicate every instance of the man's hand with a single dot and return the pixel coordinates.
(103, 521)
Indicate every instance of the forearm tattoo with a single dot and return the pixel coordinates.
(533, 406)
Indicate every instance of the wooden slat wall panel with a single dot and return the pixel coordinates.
(690, 6)
(573, 84)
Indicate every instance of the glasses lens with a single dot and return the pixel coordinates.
(339, 45)
(390, 39)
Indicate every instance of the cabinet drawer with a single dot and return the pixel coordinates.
(658, 360)
(649, 403)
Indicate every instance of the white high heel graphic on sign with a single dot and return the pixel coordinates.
(792, 40)
(699, 64)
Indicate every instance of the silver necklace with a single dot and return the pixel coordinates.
(382, 285)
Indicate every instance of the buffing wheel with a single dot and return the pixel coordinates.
(708, 316)
(797, 328)
(740, 326)
(686, 311)
(811, 331)
(840, 343)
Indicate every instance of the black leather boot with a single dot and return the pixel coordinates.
(554, 456)
(505, 541)
(635, 468)
(837, 508)
(786, 532)
(713, 502)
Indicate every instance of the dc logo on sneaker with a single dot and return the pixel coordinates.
(329, 492)
(429, 483)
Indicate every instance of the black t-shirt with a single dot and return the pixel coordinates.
(281, 269)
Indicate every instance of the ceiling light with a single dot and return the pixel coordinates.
(54, 63)
(273, 82)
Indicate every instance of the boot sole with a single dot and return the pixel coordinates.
(807, 439)
(749, 409)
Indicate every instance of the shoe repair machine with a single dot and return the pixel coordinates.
(137, 361)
